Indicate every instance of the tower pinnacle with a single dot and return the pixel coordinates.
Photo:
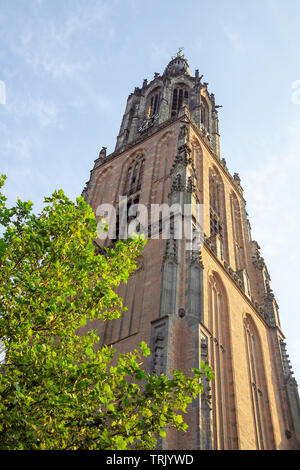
(177, 65)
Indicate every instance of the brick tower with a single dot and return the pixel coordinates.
(187, 303)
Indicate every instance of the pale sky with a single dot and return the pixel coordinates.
(68, 66)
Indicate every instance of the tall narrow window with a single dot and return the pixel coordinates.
(217, 211)
(131, 189)
(197, 159)
(204, 109)
(215, 204)
(224, 421)
(174, 102)
(237, 232)
(180, 94)
(134, 177)
(153, 103)
(258, 385)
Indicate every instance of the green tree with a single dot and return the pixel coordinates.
(58, 389)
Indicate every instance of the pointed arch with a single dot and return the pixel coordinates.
(130, 185)
(134, 175)
(99, 187)
(153, 103)
(180, 95)
(224, 419)
(204, 114)
(258, 387)
(132, 294)
(197, 158)
(161, 156)
(237, 232)
(218, 225)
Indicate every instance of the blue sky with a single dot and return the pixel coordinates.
(69, 66)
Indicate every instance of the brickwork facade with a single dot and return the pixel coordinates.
(215, 303)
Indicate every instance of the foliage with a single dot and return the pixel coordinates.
(58, 388)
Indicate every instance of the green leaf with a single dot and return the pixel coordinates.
(111, 407)
(67, 392)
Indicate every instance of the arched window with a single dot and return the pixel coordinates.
(197, 158)
(180, 93)
(134, 176)
(153, 102)
(100, 182)
(217, 210)
(258, 385)
(132, 187)
(224, 422)
(132, 294)
(204, 110)
(237, 232)
(215, 187)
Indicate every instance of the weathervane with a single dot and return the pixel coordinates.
(180, 49)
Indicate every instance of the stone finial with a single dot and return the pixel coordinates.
(102, 153)
(237, 178)
(269, 290)
(156, 75)
(145, 83)
(223, 162)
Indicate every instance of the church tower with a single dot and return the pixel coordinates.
(211, 300)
